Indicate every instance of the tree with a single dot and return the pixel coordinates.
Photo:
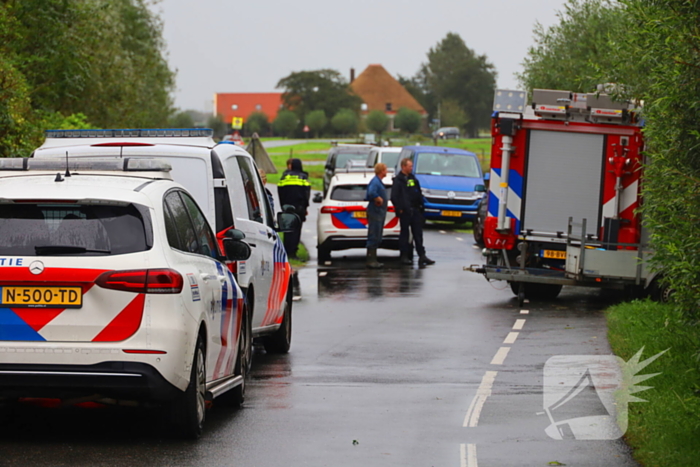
(181, 120)
(285, 123)
(451, 114)
(408, 120)
(217, 123)
(377, 121)
(345, 122)
(257, 123)
(325, 90)
(580, 51)
(316, 121)
(455, 72)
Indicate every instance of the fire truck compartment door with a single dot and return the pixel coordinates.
(602, 263)
(564, 178)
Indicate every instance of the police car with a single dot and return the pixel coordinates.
(113, 288)
(223, 179)
(342, 219)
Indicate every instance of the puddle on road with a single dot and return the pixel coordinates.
(351, 280)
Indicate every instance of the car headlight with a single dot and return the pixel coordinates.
(425, 191)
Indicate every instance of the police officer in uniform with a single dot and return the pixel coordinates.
(294, 189)
(408, 202)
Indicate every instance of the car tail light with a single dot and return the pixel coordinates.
(332, 209)
(156, 281)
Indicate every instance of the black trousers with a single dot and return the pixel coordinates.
(411, 219)
(292, 239)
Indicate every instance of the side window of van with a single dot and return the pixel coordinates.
(255, 207)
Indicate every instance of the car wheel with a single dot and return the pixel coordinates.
(660, 291)
(324, 254)
(281, 340)
(189, 408)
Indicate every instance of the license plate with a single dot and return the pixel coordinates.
(554, 254)
(42, 297)
(359, 214)
(451, 213)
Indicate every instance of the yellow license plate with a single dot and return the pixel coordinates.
(359, 214)
(554, 254)
(451, 213)
(42, 297)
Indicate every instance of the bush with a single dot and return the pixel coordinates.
(257, 122)
(285, 123)
(408, 120)
(317, 121)
(345, 122)
(377, 121)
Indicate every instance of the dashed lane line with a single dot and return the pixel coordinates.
(511, 338)
(484, 391)
(519, 323)
(524, 312)
(467, 455)
(500, 356)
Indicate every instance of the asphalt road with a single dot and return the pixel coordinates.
(396, 367)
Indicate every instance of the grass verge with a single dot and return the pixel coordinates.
(302, 257)
(666, 430)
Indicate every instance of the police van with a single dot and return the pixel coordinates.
(224, 181)
(113, 288)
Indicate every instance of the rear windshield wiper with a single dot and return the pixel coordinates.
(66, 250)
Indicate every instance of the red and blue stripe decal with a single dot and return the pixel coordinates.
(281, 273)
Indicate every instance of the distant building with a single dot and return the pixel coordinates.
(380, 91)
(242, 104)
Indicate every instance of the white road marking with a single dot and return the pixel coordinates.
(472, 418)
(442, 231)
(524, 312)
(500, 356)
(476, 247)
(468, 455)
(322, 274)
(511, 337)
(519, 323)
(459, 239)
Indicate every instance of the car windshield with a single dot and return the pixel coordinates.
(353, 193)
(459, 165)
(390, 158)
(342, 158)
(43, 229)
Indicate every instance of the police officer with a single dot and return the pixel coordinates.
(294, 189)
(408, 203)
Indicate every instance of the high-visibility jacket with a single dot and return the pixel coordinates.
(294, 189)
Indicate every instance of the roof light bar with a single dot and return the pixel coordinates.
(133, 133)
(86, 165)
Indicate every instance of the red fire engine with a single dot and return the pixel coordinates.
(565, 186)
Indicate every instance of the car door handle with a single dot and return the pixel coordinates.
(222, 279)
(207, 277)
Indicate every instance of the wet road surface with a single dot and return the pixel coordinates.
(396, 367)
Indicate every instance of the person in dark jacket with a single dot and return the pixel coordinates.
(294, 189)
(408, 202)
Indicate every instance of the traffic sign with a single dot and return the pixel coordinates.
(306, 128)
(237, 123)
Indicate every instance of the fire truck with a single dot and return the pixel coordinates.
(566, 174)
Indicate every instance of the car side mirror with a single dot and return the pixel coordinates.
(234, 234)
(318, 197)
(480, 188)
(236, 250)
(287, 221)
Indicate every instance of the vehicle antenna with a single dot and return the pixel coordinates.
(67, 168)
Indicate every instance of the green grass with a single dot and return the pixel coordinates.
(296, 150)
(666, 430)
(302, 257)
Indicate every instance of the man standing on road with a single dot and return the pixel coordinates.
(376, 214)
(294, 189)
(408, 203)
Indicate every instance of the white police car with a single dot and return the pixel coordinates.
(112, 287)
(224, 181)
(342, 218)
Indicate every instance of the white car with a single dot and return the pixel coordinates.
(224, 180)
(113, 288)
(342, 217)
(388, 155)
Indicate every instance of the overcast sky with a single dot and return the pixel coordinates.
(237, 46)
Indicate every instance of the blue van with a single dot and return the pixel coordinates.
(451, 179)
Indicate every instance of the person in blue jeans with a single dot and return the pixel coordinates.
(376, 214)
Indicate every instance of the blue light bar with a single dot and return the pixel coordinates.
(133, 133)
(127, 164)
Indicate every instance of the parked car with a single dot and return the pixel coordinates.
(448, 132)
(342, 219)
(339, 156)
(113, 288)
(387, 155)
(224, 181)
(451, 180)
